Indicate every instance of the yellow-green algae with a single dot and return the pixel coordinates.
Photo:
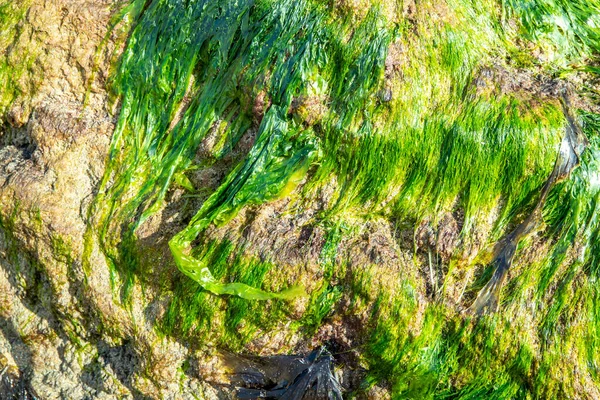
(406, 147)
(15, 59)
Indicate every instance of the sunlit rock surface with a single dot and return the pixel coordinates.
(370, 154)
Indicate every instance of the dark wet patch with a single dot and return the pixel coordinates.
(286, 377)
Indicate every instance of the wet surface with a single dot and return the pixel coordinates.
(286, 377)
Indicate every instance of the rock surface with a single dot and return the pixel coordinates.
(66, 333)
(54, 340)
(63, 334)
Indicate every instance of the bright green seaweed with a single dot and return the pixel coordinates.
(346, 73)
(228, 50)
(403, 139)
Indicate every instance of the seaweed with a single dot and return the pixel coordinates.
(213, 54)
(398, 118)
(572, 146)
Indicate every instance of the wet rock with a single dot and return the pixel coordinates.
(287, 377)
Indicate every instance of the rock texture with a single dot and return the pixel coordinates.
(61, 334)
(66, 333)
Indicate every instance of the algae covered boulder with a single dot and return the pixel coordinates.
(299, 199)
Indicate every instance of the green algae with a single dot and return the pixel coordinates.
(570, 28)
(568, 158)
(547, 319)
(436, 142)
(16, 59)
(228, 321)
(283, 148)
(370, 162)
